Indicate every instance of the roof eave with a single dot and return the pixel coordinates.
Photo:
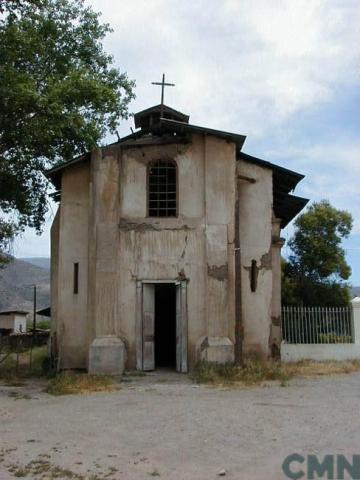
(293, 177)
(233, 137)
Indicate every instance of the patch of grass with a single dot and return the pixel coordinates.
(19, 472)
(334, 338)
(45, 469)
(14, 375)
(42, 325)
(135, 373)
(19, 396)
(309, 368)
(255, 371)
(67, 383)
(251, 373)
(155, 473)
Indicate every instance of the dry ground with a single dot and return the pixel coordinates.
(164, 426)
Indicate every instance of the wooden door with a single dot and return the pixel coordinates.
(148, 333)
(181, 328)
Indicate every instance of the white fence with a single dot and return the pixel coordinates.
(321, 333)
(302, 325)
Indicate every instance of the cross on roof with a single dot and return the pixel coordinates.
(163, 85)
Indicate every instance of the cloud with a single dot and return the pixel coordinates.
(237, 65)
(332, 171)
(254, 67)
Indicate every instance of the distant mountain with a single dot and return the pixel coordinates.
(43, 262)
(355, 291)
(16, 286)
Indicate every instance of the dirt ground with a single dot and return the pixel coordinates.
(164, 426)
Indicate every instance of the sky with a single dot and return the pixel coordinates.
(284, 73)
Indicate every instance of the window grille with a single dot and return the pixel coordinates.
(162, 189)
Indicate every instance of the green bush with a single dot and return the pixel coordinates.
(334, 338)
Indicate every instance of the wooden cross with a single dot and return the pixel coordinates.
(163, 84)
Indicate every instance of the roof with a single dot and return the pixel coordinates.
(174, 127)
(152, 115)
(165, 125)
(286, 206)
(18, 312)
(45, 312)
(180, 127)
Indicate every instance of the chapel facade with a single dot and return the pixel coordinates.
(165, 249)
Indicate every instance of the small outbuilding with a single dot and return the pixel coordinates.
(13, 321)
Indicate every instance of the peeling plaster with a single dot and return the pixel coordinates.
(204, 344)
(220, 273)
(266, 261)
(276, 320)
(127, 226)
(181, 275)
(183, 252)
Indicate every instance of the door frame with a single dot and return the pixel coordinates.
(181, 323)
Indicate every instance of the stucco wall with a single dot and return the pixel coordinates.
(20, 323)
(54, 270)
(275, 332)
(255, 204)
(193, 246)
(320, 353)
(14, 322)
(71, 314)
(105, 228)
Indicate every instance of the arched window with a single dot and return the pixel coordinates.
(162, 189)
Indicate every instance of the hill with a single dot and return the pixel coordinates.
(355, 291)
(43, 262)
(16, 286)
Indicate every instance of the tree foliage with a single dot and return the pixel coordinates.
(317, 269)
(59, 95)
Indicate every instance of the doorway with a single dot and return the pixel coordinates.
(165, 325)
(161, 325)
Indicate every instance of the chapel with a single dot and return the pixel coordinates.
(165, 249)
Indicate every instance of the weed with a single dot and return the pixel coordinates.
(252, 372)
(20, 472)
(13, 374)
(67, 383)
(155, 473)
(19, 396)
(334, 338)
(309, 368)
(39, 467)
(135, 373)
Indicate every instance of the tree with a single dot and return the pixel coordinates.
(59, 95)
(317, 269)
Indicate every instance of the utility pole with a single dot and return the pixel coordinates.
(34, 318)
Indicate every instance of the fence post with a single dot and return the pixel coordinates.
(355, 304)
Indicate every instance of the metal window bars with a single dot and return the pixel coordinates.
(162, 189)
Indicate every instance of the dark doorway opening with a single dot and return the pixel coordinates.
(165, 325)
